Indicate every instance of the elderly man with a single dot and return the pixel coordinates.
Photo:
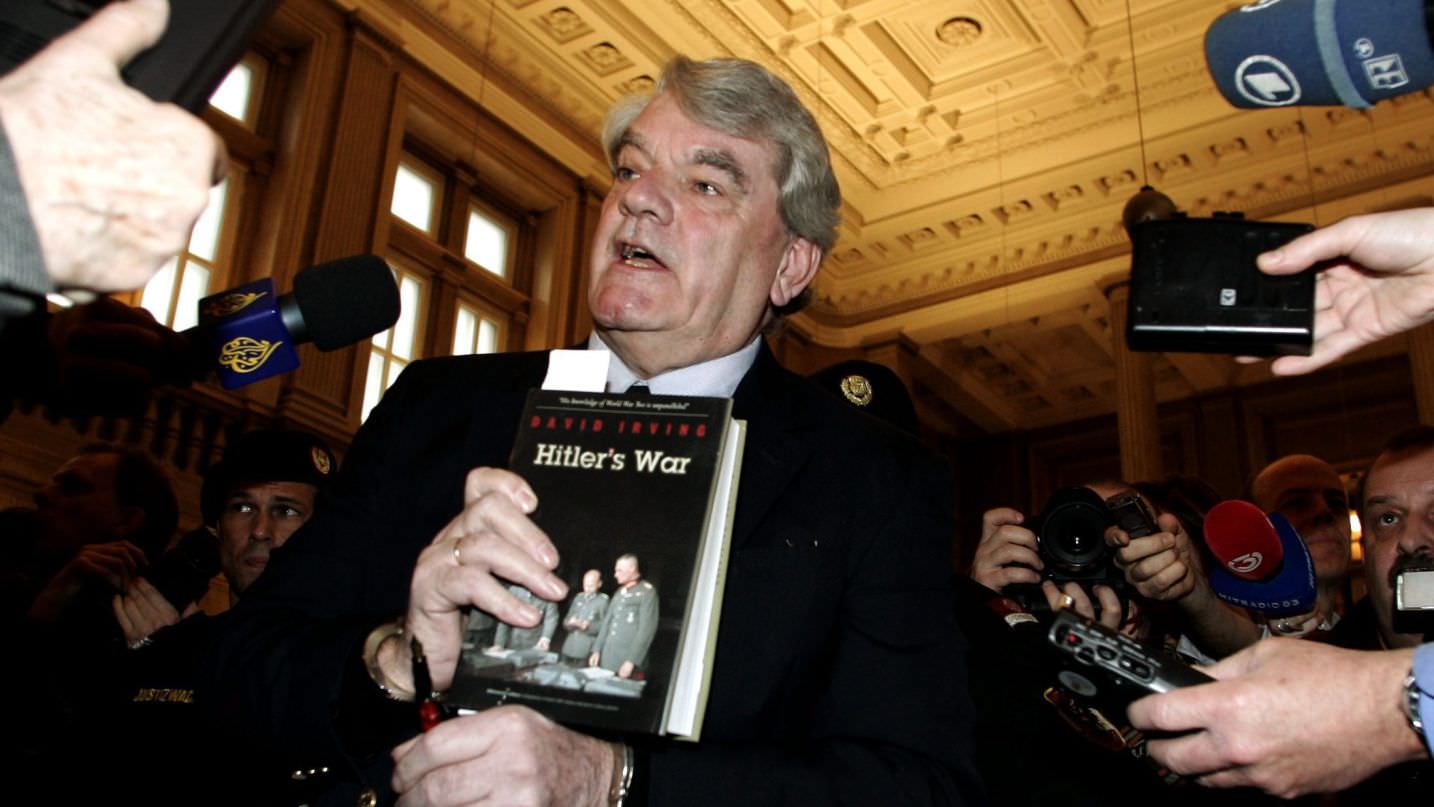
(839, 675)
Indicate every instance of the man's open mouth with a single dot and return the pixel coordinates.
(638, 256)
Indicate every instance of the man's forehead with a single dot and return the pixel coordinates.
(700, 144)
(1409, 470)
(262, 489)
(1298, 477)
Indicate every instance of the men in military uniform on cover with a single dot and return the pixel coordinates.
(630, 623)
(584, 618)
(539, 636)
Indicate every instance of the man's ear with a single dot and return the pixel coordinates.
(799, 266)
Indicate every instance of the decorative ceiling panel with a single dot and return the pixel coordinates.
(981, 145)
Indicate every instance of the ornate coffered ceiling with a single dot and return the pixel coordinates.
(985, 148)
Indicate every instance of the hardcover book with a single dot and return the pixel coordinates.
(637, 493)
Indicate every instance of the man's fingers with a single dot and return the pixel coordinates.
(1334, 241)
(501, 512)
(1111, 613)
(1147, 547)
(1006, 554)
(120, 31)
(999, 516)
(117, 604)
(458, 740)
(1175, 711)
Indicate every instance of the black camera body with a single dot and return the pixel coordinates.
(1070, 533)
(1070, 540)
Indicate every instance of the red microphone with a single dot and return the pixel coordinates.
(1242, 538)
(1264, 565)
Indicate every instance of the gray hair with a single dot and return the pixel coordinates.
(744, 99)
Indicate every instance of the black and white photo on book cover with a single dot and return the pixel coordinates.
(629, 492)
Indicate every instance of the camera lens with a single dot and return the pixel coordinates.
(1073, 529)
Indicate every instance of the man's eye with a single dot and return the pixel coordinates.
(241, 507)
(1387, 519)
(705, 188)
(624, 174)
(289, 512)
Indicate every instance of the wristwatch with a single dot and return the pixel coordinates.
(1419, 694)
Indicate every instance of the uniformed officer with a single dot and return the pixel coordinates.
(539, 636)
(584, 618)
(254, 499)
(630, 623)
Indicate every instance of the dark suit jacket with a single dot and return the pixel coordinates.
(840, 674)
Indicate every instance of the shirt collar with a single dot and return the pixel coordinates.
(716, 378)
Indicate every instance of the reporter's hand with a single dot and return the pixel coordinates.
(1111, 615)
(111, 564)
(1279, 708)
(107, 359)
(1161, 566)
(142, 610)
(1382, 281)
(112, 180)
(491, 541)
(508, 755)
(1007, 551)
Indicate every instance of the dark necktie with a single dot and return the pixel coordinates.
(639, 388)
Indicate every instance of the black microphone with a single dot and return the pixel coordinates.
(1321, 52)
(249, 333)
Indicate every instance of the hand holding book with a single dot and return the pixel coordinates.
(491, 541)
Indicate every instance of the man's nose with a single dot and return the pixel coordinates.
(646, 195)
(1419, 539)
(263, 527)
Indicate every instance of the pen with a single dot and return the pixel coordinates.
(430, 713)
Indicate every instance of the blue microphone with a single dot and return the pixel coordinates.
(1320, 52)
(250, 333)
(246, 334)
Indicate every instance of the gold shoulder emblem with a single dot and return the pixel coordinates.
(245, 354)
(856, 389)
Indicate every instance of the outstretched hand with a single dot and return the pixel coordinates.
(1381, 281)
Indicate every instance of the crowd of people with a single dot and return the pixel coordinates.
(852, 666)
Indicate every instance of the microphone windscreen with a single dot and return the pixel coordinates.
(1243, 540)
(346, 300)
(1319, 52)
(1289, 591)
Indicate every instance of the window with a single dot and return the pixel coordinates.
(475, 331)
(394, 348)
(460, 275)
(173, 294)
(486, 242)
(415, 193)
(236, 93)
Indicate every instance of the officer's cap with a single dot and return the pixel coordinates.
(266, 455)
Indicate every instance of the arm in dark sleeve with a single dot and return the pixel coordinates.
(23, 279)
(285, 669)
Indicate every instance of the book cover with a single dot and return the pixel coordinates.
(637, 493)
